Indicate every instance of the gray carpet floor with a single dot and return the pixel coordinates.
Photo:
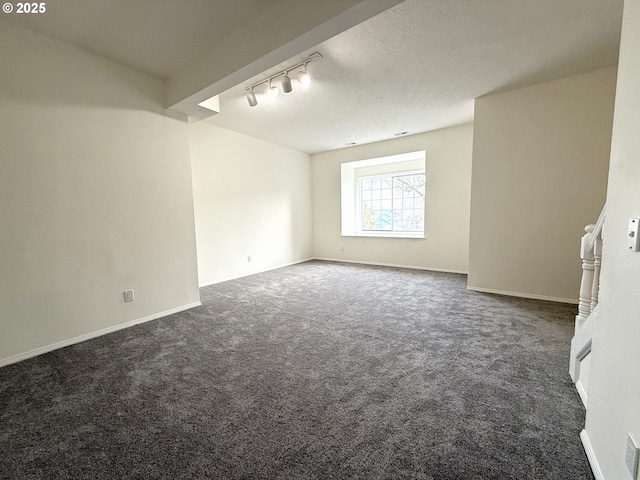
(315, 371)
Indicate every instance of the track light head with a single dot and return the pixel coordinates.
(272, 91)
(251, 98)
(285, 83)
(304, 78)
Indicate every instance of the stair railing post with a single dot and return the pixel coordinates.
(588, 271)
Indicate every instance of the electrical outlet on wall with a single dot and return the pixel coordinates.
(631, 457)
(128, 296)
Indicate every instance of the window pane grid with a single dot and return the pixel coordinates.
(392, 203)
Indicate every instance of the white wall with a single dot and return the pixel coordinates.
(614, 386)
(448, 181)
(95, 197)
(540, 160)
(251, 198)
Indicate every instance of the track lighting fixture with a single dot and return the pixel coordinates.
(273, 91)
(251, 98)
(285, 83)
(304, 78)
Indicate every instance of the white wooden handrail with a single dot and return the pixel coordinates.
(597, 228)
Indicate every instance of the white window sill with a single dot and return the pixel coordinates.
(419, 236)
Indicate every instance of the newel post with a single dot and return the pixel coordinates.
(588, 274)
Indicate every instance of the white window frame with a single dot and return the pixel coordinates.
(352, 172)
(359, 201)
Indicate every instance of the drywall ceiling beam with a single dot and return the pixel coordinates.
(285, 30)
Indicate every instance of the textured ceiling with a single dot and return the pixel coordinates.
(419, 65)
(416, 67)
(155, 36)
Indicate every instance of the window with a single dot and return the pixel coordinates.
(391, 203)
(384, 197)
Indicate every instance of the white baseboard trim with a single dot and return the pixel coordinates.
(582, 392)
(524, 295)
(395, 265)
(227, 279)
(89, 336)
(588, 449)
